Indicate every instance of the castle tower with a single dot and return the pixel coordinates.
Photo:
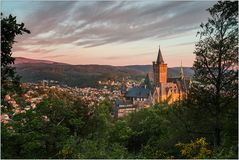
(160, 70)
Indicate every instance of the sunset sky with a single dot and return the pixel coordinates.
(108, 32)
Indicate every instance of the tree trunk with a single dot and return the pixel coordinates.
(217, 137)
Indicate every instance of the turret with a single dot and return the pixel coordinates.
(181, 71)
(147, 83)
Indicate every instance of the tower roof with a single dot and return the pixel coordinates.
(181, 71)
(160, 57)
(147, 80)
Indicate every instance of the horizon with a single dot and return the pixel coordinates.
(116, 33)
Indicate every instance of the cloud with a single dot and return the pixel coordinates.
(128, 56)
(32, 50)
(183, 44)
(54, 56)
(90, 24)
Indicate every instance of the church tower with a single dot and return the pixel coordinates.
(160, 71)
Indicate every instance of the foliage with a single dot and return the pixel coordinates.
(120, 132)
(38, 132)
(223, 152)
(215, 90)
(101, 149)
(61, 129)
(195, 150)
(9, 30)
(70, 148)
(145, 125)
(152, 152)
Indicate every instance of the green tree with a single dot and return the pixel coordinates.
(99, 123)
(120, 132)
(149, 133)
(215, 89)
(152, 152)
(46, 131)
(195, 150)
(9, 30)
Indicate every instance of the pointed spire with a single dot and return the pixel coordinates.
(147, 82)
(181, 71)
(160, 57)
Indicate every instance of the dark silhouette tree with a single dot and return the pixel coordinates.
(9, 30)
(215, 88)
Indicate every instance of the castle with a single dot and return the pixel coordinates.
(152, 91)
(170, 89)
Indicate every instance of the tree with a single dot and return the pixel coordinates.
(120, 132)
(145, 125)
(9, 30)
(215, 89)
(195, 150)
(51, 130)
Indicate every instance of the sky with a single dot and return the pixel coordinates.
(108, 32)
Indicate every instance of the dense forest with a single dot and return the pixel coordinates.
(204, 125)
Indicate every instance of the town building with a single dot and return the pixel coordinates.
(154, 90)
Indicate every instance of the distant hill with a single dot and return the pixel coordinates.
(32, 70)
(172, 72)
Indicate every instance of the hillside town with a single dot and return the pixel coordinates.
(36, 92)
(126, 96)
